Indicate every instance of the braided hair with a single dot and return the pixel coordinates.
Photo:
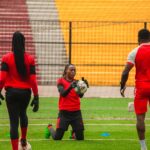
(18, 48)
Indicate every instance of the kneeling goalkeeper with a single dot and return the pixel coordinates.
(69, 107)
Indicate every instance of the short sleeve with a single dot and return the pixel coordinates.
(60, 81)
(4, 59)
(132, 55)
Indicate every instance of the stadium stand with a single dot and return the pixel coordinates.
(47, 34)
(22, 15)
(14, 17)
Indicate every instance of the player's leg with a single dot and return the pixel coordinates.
(140, 106)
(140, 126)
(56, 135)
(78, 126)
(13, 111)
(79, 134)
(61, 126)
(24, 102)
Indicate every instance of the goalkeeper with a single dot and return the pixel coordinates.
(69, 107)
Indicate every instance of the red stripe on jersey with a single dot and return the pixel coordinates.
(130, 63)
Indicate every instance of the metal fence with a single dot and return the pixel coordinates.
(98, 49)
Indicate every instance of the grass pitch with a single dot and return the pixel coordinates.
(100, 116)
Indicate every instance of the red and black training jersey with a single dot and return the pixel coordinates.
(71, 102)
(9, 76)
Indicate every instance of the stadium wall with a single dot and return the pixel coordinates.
(93, 91)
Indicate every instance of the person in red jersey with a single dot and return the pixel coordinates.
(18, 76)
(69, 106)
(140, 58)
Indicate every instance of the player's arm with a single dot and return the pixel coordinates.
(64, 92)
(33, 80)
(34, 86)
(3, 71)
(124, 77)
(3, 75)
(129, 65)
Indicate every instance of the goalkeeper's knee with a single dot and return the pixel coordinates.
(79, 135)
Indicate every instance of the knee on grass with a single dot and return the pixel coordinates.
(79, 135)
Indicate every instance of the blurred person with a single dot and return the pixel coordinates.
(69, 107)
(140, 58)
(18, 76)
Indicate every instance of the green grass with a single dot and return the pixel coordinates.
(100, 115)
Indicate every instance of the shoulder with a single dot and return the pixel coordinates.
(30, 58)
(7, 56)
(134, 51)
(29, 55)
(132, 55)
(60, 79)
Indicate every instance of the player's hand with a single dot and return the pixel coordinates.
(35, 103)
(86, 82)
(73, 84)
(1, 98)
(122, 90)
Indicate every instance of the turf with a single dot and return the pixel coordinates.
(100, 116)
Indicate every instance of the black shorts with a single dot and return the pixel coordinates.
(66, 118)
(17, 99)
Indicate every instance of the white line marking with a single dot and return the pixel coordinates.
(108, 118)
(86, 119)
(7, 140)
(86, 124)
